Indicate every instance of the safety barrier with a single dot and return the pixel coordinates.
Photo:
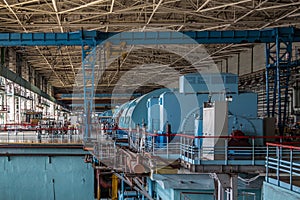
(283, 167)
(191, 149)
(26, 133)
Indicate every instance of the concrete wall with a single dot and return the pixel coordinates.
(12, 61)
(276, 193)
(25, 71)
(246, 62)
(259, 57)
(38, 178)
(233, 64)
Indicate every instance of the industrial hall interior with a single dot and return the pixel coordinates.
(149, 100)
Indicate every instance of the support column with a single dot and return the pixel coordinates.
(88, 68)
(278, 65)
(122, 188)
(233, 187)
(220, 191)
(114, 193)
(150, 186)
(98, 185)
(227, 182)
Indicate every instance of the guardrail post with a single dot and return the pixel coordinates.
(253, 151)
(280, 149)
(184, 147)
(153, 144)
(278, 164)
(267, 164)
(226, 151)
(168, 146)
(199, 149)
(180, 147)
(291, 169)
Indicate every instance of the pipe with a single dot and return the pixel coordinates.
(134, 162)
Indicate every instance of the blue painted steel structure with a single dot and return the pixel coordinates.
(53, 172)
(89, 39)
(278, 68)
(181, 108)
(134, 113)
(284, 34)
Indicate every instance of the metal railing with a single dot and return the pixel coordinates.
(108, 146)
(191, 149)
(27, 133)
(283, 167)
(221, 153)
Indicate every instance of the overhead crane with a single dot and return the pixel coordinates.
(278, 55)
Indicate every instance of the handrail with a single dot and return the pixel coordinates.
(282, 146)
(285, 160)
(201, 136)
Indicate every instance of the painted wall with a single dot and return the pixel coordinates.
(277, 193)
(38, 177)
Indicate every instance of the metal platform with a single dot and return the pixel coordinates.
(181, 156)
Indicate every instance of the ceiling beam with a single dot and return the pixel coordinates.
(83, 6)
(223, 6)
(279, 6)
(112, 6)
(152, 14)
(21, 24)
(203, 5)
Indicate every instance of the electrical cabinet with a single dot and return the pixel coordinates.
(215, 124)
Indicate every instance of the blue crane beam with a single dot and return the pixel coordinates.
(164, 37)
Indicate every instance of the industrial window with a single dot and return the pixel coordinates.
(296, 98)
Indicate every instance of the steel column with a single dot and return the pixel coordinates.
(278, 64)
(88, 69)
(114, 187)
